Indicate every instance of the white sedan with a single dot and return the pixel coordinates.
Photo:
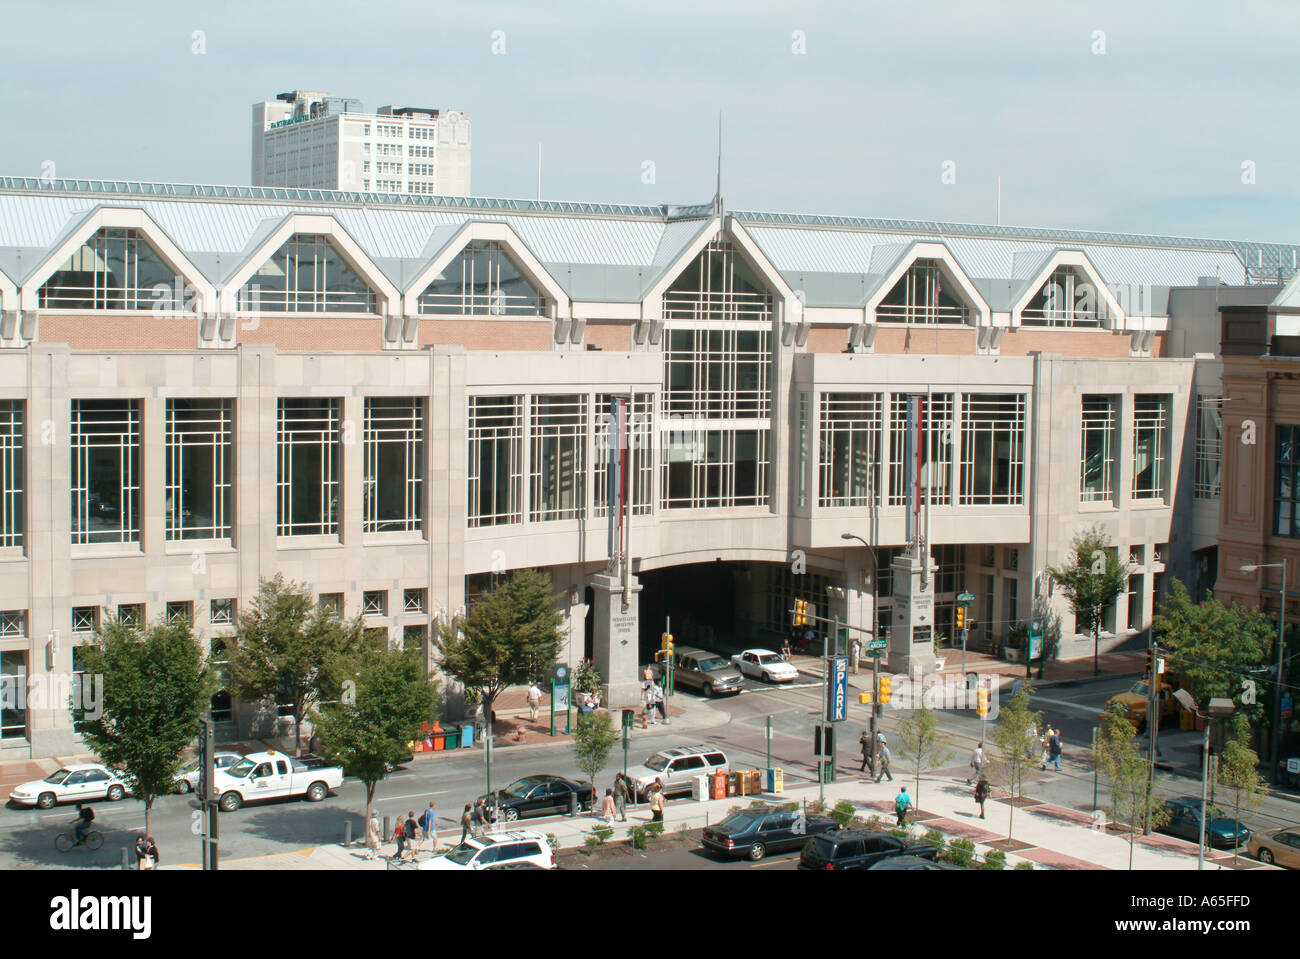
(78, 783)
(187, 778)
(765, 665)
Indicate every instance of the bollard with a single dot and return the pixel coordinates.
(347, 833)
(383, 836)
(573, 803)
(126, 859)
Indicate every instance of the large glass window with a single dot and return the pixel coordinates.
(1099, 433)
(105, 440)
(12, 472)
(920, 297)
(307, 275)
(993, 449)
(719, 373)
(784, 587)
(495, 460)
(936, 467)
(309, 458)
(559, 457)
(801, 466)
(116, 269)
(13, 695)
(200, 474)
(715, 468)
(1209, 446)
(639, 432)
(1150, 446)
(1066, 299)
(1286, 516)
(849, 452)
(394, 464)
(482, 281)
(718, 285)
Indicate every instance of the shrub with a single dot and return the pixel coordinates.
(816, 808)
(638, 837)
(590, 844)
(553, 842)
(757, 803)
(843, 812)
(899, 832)
(1025, 865)
(994, 859)
(788, 807)
(935, 839)
(602, 833)
(960, 852)
(654, 829)
(875, 823)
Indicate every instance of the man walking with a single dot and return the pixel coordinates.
(981, 793)
(657, 694)
(1054, 751)
(884, 759)
(855, 653)
(648, 701)
(534, 700)
(620, 796)
(902, 804)
(373, 837)
(466, 822)
(864, 743)
(428, 825)
(479, 818)
(977, 762)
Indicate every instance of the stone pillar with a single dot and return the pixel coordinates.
(911, 641)
(616, 636)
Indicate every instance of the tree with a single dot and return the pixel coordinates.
(384, 699)
(593, 738)
(921, 743)
(1238, 772)
(509, 636)
(1015, 736)
(155, 687)
(1131, 801)
(1212, 647)
(1091, 578)
(282, 648)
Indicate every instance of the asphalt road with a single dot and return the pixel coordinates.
(27, 836)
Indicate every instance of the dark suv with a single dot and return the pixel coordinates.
(859, 850)
(759, 830)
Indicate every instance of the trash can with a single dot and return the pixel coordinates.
(438, 737)
(774, 779)
(700, 790)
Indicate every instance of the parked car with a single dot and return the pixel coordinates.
(1276, 846)
(676, 768)
(708, 672)
(513, 849)
(859, 850)
(765, 665)
(537, 796)
(1185, 822)
(759, 830)
(78, 783)
(914, 864)
(1133, 703)
(273, 775)
(187, 777)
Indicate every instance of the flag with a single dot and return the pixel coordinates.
(617, 459)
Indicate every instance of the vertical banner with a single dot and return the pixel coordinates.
(617, 461)
(912, 457)
(837, 710)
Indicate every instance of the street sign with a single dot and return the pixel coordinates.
(965, 599)
(561, 675)
(838, 708)
(1035, 639)
(878, 644)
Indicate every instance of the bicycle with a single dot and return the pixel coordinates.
(65, 841)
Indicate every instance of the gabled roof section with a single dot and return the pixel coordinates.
(1290, 294)
(502, 233)
(132, 218)
(321, 225)
(900, 262)
(1113, 314)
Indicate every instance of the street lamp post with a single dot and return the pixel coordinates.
(1216, 709)
(1275, 740)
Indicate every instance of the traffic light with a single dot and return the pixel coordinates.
(981, 702)
(885, 691)
(1147, 671)
(961, 617)
(864, 699)
(801, 612)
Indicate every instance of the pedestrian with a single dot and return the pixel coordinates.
(409, 831)
(649, 675)
(479, 818)
(399, 837)
(982, 793)
(977, 761)
(1054, 750)
(607, 807)
(151, 850)
(141, 852)
(1043, 741)
(786, 651)
(466, 823)
(620, 796)
(658, 693)
(855, 654)
(864, 743)
(657, 801)
(902, 803)
(429, 825)
(648, 701)
(534, 700)
(373, 836)
(884, 760)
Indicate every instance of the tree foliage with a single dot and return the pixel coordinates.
(593, 738)
(1117, 756)
(283, 647)
(155, 687)
(384, 699)
(1015, 737)
(510, 636)
(921, 744)
(1091, 578)
(1212, 646)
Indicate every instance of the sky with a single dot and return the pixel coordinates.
(1154, 117)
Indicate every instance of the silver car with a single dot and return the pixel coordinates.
(676, 768)
(708, 672)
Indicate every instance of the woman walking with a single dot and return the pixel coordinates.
(607, 807)
(373, 836)
(466, 822)
(657, 802)
(982, 793)
(620, 796)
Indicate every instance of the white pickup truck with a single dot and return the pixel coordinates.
(272, 775)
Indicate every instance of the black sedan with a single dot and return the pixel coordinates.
(757, 831)
(914, 864)
(859, 850)
(538, 796)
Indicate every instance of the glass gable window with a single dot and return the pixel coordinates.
(559, 457)
(718, 285)
(1066, 299)
(200, 457)
(920, 297)
(1209, 446)
(495, 460)
(105, 441)
(1286, 516)
(309, 457)
(639, 430)
(993, 449)
(936, 467)
(482, 281)
(394, 465)
(306, 275)
(1099, 433)
(849, 452)
(1150, 445)
(116, 269)
(12, 472)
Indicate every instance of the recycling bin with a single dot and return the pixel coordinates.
(466, 735)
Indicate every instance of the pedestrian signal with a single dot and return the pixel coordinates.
(981, 702)
(864, 699)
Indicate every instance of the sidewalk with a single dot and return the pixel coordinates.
(1049, 836)
(1055, 672)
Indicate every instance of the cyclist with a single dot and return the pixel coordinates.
(85, 816)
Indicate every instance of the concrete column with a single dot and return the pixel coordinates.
(913, 614)
(615, 640)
